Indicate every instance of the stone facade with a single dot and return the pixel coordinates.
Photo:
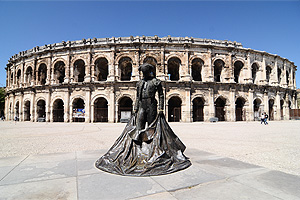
(202, 78)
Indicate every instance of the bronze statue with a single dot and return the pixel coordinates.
(147, 146)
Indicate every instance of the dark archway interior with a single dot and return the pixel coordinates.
(28, 75)
(101, 110)
(79, 70)
(238, 65)
(218, 66)
(239, 113)
(256, 106)
(101, 69)
(125, 65)
(78, 112)
(279, 72)
(174, 109)
(42, 74)
(59, 71)
(220, 109)
(268, 73)
(173, 68)
(27, 111)
(18, 77)
(281, 108)
(198, 107)
(153, 62)
(17, 109)
(58, 111)
(41, 109)
(254, 70)
(125, 104)
(271, 109)
(197, 65)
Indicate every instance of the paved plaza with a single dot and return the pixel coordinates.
(230, 160)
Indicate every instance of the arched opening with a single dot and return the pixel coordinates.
(287, 77)
(125, 109)
(153, 62)
(197, 65)
(198, 107)
(239, 109)
(59, 72)
(220, 108)
(125, 67)
(42, 74)
(41, 110)
(174, 109)
(28, 75)
(27, 111)
(218, 66)
(79, 70)
(279, 75)
(10, 112)
(18, 77)
(271, 109)
(256, 108)
(78, 110)
(101, 69)
(58, 110)
(254, 69)
(268, 73)
(238, 65)
(100, 110)
(17, 111)
(173, 68)
(281, 108)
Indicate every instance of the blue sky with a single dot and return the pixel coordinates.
(271, 26)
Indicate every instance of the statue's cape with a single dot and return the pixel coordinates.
(153, 151)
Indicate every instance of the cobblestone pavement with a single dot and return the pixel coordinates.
(274, 146)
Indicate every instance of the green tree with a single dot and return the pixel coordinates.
(2, 99)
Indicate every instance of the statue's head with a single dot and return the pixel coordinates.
(146, 69)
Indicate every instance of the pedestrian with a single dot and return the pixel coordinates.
(262, 119)
(266, 118)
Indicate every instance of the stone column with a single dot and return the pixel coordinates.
(93, 78)
(87, 76)
(48, 79)
(51, 113)
(116, 111)
(87, 105)
(111, 65)
(67, 70)
(135, 72)
(266, 103)
(21, 104)
(231, 106)
(186, 107)
(71, 72)
(67, 106)
(52, 80)
(71, 112)
(92, 113)
(48, 101)
(284, 83)
(184, 70)
(211, 102)
(111, 106)
(228, 69)
(208, 68)
(277, 102)
(250, 116)
(248, 71)
(286, 107)
(275, 74)
(263, 80)
(32, 107)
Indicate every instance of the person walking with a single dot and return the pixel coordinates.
(266, 118)
(262, 119)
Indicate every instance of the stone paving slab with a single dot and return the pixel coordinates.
(73, 176)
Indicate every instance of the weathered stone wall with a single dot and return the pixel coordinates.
(227, 78)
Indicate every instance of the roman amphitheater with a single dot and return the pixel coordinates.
(93, 80)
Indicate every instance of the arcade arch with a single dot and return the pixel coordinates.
(101, 69)
(239, 109)
(79, 70)
(78, 110)
(198, 107)
(173, 68)
(218, 67)
(27, 111)
(100, 110)
(58, 110)
(238, 66)
(197, 65)
(220, 108)
(125, 108)
(174, 109)
(125, 68)
(59, 72)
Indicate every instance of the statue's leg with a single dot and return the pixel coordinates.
(151, 113)
(140, 119)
